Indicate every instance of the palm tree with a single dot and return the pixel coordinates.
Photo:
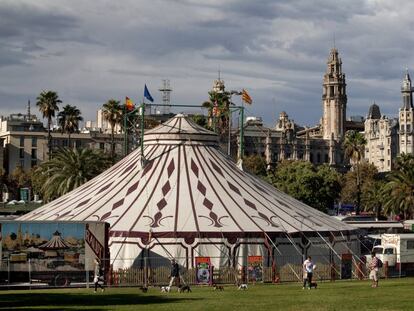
(69, 119)
(112, 112)
(68, 169)
(373, 198)
(48, 102)
(399, 190)
(354, 145)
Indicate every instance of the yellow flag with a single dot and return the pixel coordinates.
(129, 104)
(246, 97)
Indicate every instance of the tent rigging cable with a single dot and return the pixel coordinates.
(327, 260)
(354, 257)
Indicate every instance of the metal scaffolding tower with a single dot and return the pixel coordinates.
(166, 96)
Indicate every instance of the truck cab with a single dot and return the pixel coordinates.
(385, 253)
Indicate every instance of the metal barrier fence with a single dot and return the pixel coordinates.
(155, 271)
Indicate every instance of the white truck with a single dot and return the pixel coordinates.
(396, 249)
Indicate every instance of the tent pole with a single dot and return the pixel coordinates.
(142, 108)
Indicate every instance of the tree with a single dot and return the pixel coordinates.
(372, 197)
(69, 119)
(330, 186)
(200, 120)
(399, 190)
(18, 179)
(112, 112)
(318, 188)
(255, 164)
(48, 102)
(354, 145)
(69, 169)
(368, 175)
(218, 109)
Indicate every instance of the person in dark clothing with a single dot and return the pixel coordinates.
(175, 272)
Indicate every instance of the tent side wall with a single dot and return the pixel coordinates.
(278, 256)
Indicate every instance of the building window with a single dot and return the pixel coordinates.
(388, 162)
(34, 163)
(22, 163)
(34, 153)
(408, 127)
(318, 158)
(311, 158)
(389, 151)
(21, 153)
(34, 141)
(326, 158)
(21, 141)
(102, 146)
(410, 244)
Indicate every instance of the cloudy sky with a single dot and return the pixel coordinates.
(90, 51)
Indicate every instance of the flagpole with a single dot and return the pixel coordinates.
(125, 131)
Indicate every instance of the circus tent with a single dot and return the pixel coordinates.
(56, 242)
(186, 198)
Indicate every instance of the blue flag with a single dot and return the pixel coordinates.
(147, 94)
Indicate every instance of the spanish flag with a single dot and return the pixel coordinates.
(246, 97)
(129, 105)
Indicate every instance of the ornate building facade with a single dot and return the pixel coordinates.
(386, 138)
(381, 135)
(406, 117)
(319, 144)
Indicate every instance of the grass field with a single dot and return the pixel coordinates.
(341, 295)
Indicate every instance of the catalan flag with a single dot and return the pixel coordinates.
(246, 97)
(129, 105)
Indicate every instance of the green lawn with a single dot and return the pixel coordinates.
(341, 295)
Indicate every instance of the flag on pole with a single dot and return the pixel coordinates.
(147, 94)
(246, 97)
(129, 105)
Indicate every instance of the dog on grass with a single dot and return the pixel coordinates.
(144, 289)
(184, 288)
(242, 286)
(165, 289)
(314, 285)
(218, 287)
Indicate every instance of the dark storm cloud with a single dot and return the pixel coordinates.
(92, 51)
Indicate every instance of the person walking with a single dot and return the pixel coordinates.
(308, 271)
(373, 267)
(175, 272)
(97, 276)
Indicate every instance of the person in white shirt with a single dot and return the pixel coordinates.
(308, 269)
(373, 268)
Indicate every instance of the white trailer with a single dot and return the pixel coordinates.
(397, 250)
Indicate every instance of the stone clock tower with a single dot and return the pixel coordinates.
(334, 99)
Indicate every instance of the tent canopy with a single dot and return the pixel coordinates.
(186, 188)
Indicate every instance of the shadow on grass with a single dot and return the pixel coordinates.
(67, 301)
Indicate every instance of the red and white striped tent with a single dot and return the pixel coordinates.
(188, 199)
